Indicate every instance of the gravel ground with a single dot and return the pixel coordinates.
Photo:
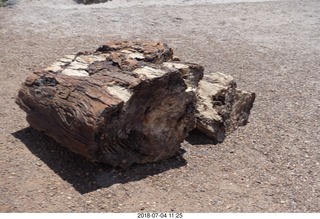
(271, 48)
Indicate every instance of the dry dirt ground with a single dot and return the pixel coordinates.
(270, 165)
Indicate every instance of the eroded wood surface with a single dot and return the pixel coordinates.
(130, 102)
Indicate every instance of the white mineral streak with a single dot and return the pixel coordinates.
(55, 67)
(66, 60)
(149, 72)
(73, 72)
(175, 65)
(133, 55)
(126, 51)
(136, 55)
(78, 65)
(190, 89)
(71, 57)
(119, 92)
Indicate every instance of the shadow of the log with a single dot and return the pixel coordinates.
(87, 2)
(196, 137)
(82, 174)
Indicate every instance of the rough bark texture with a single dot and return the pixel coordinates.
(118, 105)
(130, 102)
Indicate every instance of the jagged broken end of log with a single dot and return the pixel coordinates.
(130, 102)
(221, 106)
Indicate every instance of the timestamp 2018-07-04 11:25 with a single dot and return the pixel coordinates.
(160, 215)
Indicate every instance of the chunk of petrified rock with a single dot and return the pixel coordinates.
(119, 105)
(221, 107)
(130, 103)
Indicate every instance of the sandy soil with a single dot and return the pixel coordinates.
(270, 165)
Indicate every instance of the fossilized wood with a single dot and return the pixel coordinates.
(124, 103)
(131, 102)
(221, 107)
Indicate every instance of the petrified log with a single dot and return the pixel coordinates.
(118, 105)
(221, 107)
(130, 102)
